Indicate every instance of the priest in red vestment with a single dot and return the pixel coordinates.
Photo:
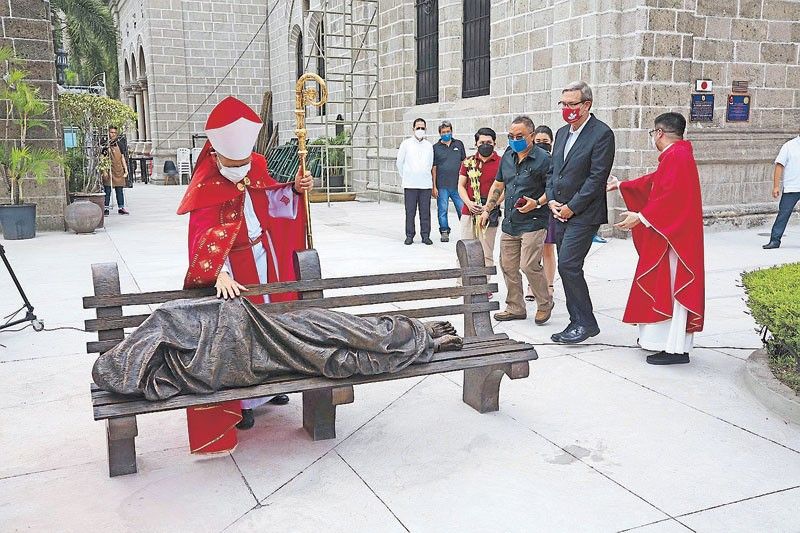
(665, 216)
(243, 229)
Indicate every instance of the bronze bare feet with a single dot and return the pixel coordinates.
(439, 329)
(447, 343)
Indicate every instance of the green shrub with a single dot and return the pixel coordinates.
(773, 296)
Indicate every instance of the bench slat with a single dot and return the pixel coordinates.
(147, 298)
(354, 300)
(444, 310)
(312, 383)
(102, 397)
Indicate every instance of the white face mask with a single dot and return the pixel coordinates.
(653, 141)
(234, 174)
(419, 134)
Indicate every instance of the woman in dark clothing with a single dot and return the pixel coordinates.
(543, 137)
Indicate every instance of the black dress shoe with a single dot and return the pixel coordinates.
(664, 358)
(578, 334)
(771, 245)
(247, 420)
(427, 240)
(280, 399)
(409, 240)
(556, 337)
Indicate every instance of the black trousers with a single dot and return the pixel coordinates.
(573, 242)
(120, 196)
(418, 199)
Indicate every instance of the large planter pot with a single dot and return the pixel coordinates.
(18, 221)
(335, 182)
(97, 198)
(83, 216)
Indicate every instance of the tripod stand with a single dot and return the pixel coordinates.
(37, 324)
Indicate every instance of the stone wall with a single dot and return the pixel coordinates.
(183, 51)
(641, 58)
(751, 40)
(26, 27)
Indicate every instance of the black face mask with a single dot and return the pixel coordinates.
(545, 146)
(485, 150)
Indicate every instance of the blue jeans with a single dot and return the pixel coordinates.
(785, 208)
(442, 205)
(120, 196)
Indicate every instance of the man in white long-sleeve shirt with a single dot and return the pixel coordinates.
(415, 164)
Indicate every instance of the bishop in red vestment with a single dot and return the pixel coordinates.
(665, 216)
(243, 229)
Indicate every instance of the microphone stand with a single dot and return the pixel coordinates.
(37, 324)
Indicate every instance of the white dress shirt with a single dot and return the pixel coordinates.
(573, 136)
(414, 163)
(789, 157)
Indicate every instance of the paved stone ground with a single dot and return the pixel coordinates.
(594, 440)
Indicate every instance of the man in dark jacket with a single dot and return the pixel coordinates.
(522, 178)
(583, 154)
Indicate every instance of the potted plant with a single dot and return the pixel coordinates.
(91, 115)
(18, 160)
(327, 159)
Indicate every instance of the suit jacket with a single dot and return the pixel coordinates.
(579, 180)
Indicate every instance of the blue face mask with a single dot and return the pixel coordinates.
(518, 145)
(447, 137)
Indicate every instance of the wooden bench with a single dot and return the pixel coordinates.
(486, 357)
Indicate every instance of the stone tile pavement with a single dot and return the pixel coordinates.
(594, 440)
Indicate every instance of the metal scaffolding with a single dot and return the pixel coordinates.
(344, 51)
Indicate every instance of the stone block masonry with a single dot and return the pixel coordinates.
(25, 26)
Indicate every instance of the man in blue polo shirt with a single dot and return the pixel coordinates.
(448, 154)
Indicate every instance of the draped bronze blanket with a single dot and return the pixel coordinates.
(205, 345)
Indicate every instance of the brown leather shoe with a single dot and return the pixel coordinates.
(505, 315)
(543, 315)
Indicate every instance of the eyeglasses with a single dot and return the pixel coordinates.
(519, 137)
(651, 132)
(571, 105)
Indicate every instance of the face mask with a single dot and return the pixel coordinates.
(518, 145)
(571, 116)
(234, 174)
(447, 137)
(653, 141)
(485, 150)
(545, 146)
(419, 134)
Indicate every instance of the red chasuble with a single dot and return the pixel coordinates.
(670, 200)
(217, 230)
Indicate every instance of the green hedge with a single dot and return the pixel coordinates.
(773, 296)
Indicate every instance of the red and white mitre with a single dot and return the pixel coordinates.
(232, 128)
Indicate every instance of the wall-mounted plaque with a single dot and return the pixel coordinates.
(738, 108)
(702, 108)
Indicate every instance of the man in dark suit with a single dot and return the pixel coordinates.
(583, 154)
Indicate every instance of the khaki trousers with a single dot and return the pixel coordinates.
(524, 253)
(487, 240)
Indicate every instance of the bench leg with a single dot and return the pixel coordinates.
(121, 438)
(319, 410)
(482, 385)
